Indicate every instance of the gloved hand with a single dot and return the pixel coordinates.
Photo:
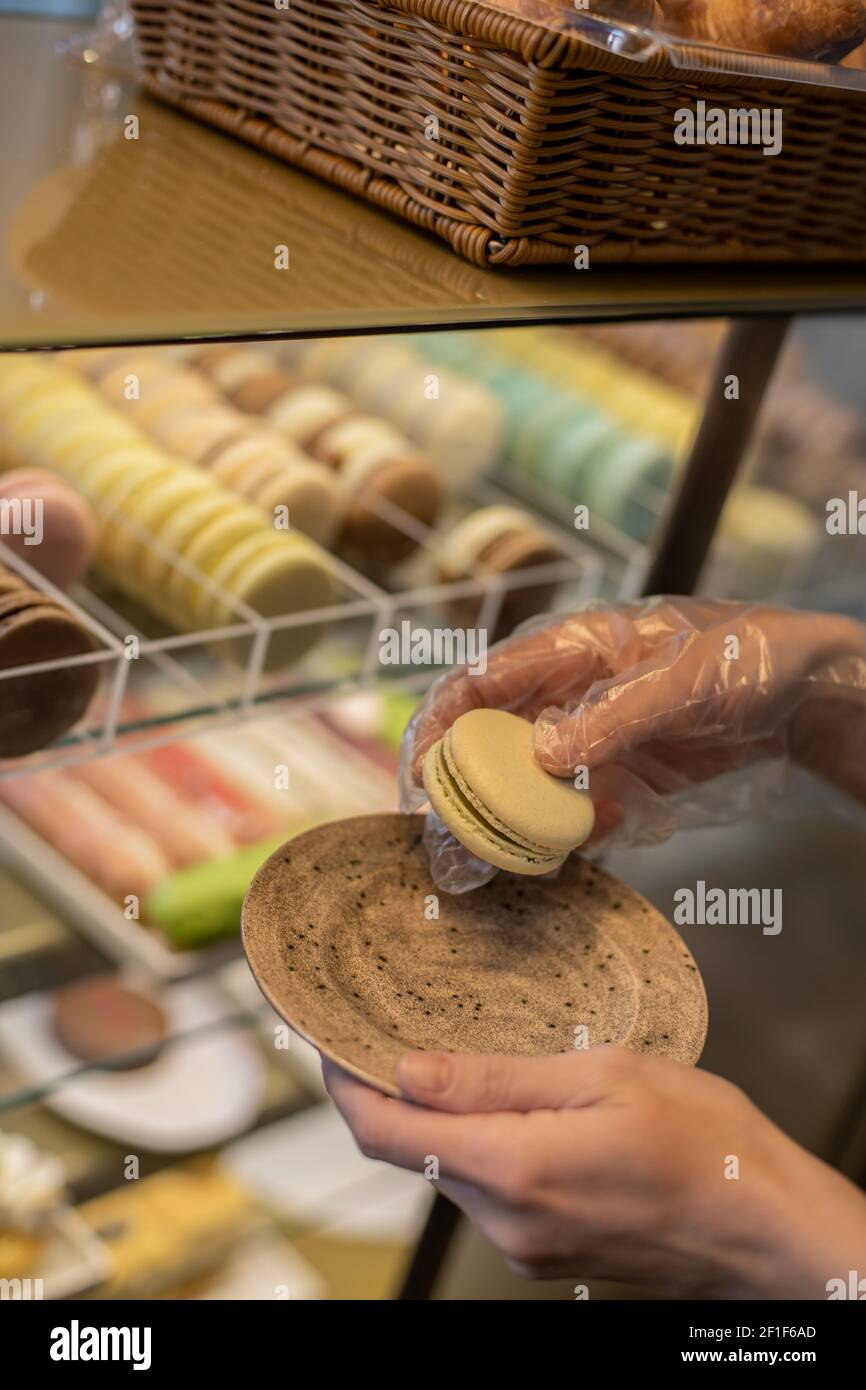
(607, 1164)
(658, 700)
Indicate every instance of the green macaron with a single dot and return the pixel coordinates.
(484, 783)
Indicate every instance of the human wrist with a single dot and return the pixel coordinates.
(807, 1230)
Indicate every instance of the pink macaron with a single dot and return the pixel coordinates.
(47, 524)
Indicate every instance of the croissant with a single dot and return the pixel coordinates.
(632, 11)
(815, 29)
(628, 11)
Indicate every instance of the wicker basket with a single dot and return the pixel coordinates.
(542, 141)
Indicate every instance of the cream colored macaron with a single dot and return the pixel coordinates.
(141, 514)
(192, 431)
(171, 392)
(283, 576)
(485, 784)
(304, 412)
(229, 367)
(177, 531)
(128, 378)
(337, 444)
(311, 495)
(246, 461)
(208, 547)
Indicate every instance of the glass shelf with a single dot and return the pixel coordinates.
(173, 236)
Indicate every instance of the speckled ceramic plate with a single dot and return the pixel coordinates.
(340, 931)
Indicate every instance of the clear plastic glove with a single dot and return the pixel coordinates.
(683, 711)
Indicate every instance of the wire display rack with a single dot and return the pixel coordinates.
(157, 684)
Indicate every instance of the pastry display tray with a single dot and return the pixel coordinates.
(180, 683)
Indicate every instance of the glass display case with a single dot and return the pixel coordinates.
(641, 429)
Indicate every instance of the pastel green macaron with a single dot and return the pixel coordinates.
(614, 485)
(484, 783)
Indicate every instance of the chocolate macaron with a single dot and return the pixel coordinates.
(500, 542)
(382, 480)
(37, 708)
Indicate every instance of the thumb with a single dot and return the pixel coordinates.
(471, 1083)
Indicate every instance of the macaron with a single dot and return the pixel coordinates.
(327, 359)
(500, 541)
(461, 431)
(65, 549)
(210, 544)
(23, 374)
(192, 430)
(337, 444)
(171, 392)
(382, 377)
(766, 536)
(228, 366)
(312, 496)
(583, 449)
(485, 784)
(128, 378)
(93, 362)
(246, 461)
(303, 413)
(613, 486)
(25, 422)
(142, 516)
(280, 576)
(255, 395)
(144, 469)
(178, 531)
(36, 709)
(120, 505)
(379, 473)
(10, 582)
(72, 444)
(541, 425)
(99, 476)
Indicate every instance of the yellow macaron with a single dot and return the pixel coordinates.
(287, 577)
(147, 508)
(177, 532)
(209, 546)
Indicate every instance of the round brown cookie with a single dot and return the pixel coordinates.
(257, 394)
(372, 541)
(102, 1022)
(37, 708)
(338, 931)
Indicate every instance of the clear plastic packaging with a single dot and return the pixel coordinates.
(809, 41)
(674, 712)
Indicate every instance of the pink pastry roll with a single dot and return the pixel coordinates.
(244, 819)
(108, 849)
(185, 836)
